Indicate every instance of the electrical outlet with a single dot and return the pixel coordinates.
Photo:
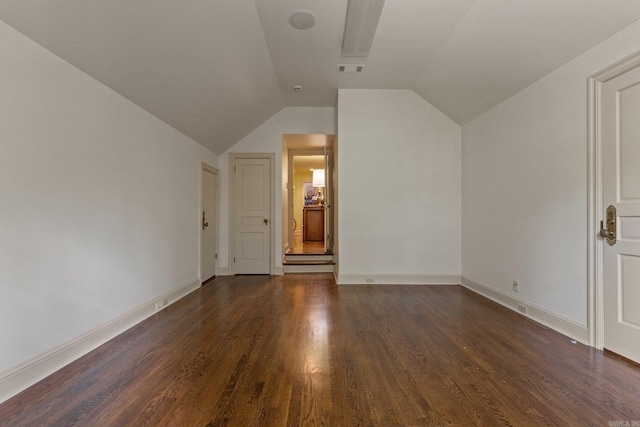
(515, 288)
(162, 304)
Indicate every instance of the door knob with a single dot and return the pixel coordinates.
(204, 223)
(604, 232)
(266, 221)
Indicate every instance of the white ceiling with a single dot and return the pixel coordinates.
(307, 163)
(216, 69)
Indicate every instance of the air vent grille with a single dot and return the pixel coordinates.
(350, 68)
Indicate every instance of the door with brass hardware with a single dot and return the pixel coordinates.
(208, 230)
(205, 224)
(620, 108)
(252, 193)
(609, 233)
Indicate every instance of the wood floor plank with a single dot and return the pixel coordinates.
(298, 350)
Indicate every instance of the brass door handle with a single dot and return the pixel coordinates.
(204, 223)
(266, 221)
(604, 232)
(609, 233)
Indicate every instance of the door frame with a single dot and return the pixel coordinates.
(216, 200)
(232, 235)
(290, 195)
(301, 152)
(595, 249)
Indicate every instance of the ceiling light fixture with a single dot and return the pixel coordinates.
(302, 19)
(361, 25)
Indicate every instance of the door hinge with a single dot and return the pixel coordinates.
(234, 260)
(234, 168)
(216, 257)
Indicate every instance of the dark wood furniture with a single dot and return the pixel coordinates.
(313, 224)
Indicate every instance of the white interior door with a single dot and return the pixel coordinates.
(328, 197)
(209, 221)
(621, 189)
(252, 215)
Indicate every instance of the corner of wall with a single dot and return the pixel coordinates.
(30, 372)
(551, 320)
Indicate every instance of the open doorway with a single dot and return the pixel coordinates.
(308, 205)
(309, 221)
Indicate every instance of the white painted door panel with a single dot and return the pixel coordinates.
(621, 188)
(208, 228)
(252, 198)
(327, 202)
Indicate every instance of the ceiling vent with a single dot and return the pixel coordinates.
(350, 68)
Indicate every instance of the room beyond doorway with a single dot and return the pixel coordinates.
(309, 203)
(301, 247)
(308, 219)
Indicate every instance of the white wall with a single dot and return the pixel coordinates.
(267, 138)
(399, 180)
(525, 187)
(99, 204)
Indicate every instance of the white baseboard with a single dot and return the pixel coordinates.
(224, 271)
(309, 268)
(558, 323)
(30, 372)
(398, 279)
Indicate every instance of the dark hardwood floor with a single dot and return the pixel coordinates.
(300, 247)
(299, 350)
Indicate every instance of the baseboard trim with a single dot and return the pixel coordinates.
(277, 271)
(308, 268)
(398, 279)
(549, 319)
(223, 271)
(30, 372)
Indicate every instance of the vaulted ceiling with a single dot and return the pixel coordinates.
(216, 69)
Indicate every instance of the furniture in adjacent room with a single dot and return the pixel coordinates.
(313, 224)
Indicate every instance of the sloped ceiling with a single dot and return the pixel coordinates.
(216, 69)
